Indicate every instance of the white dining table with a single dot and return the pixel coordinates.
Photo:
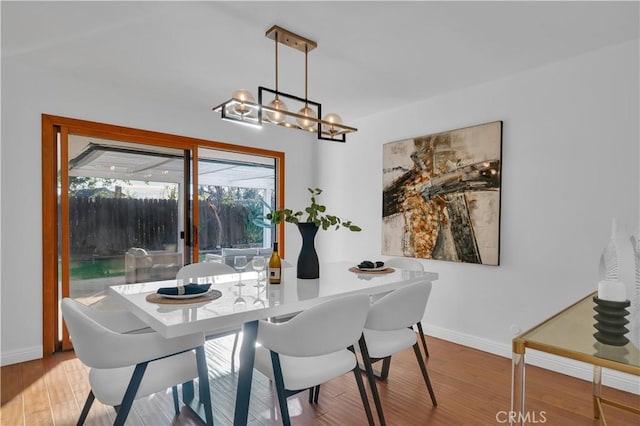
(243, 306)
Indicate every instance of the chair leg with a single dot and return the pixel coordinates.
(424, 340)
(384, 372)
(282, 398)
(363, 394)
(176, 403)
(86, 408)
(425, 375)
(314, 394)
(130, 394)
(317, 394)
(366, 360)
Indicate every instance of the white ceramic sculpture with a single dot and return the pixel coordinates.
(609, 270)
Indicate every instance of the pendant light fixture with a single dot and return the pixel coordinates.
(242, 107)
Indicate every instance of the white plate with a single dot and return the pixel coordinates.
(185, 296)
(381, 268)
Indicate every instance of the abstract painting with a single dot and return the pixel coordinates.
(441, 195)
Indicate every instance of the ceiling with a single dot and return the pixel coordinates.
(371, 56)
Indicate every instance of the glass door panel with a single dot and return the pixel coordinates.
(235, 192)
(125, 215)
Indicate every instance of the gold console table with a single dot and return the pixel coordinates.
(569, 334)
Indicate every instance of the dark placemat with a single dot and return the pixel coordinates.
(158, 298)
(364, 271)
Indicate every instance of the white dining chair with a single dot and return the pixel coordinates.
(116, 319)
(204, 273)
(388, 331)
(404, 263)
(126, 367)
(410, 265)
(312, 348)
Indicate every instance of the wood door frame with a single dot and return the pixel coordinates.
(51, 125)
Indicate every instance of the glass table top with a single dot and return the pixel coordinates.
(570, 333)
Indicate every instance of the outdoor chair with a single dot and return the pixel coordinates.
(228, 254)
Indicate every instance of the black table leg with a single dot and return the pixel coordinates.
(245, 373)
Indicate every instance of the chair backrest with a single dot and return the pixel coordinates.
(400, 308)
(99, 347)
(404, 263)
(321, 329)
(93, 342)
(118, 321)
(203, 271)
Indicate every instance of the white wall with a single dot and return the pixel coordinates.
(26, 95)
(570, 164)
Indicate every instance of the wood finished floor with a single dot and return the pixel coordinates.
(472, 388)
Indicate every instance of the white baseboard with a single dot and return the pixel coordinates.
(26, 354)
(580, 370)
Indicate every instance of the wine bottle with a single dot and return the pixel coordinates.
(275, 266)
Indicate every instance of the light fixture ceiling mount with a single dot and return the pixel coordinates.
(242, 107)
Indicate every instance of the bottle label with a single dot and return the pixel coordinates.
(274, 274)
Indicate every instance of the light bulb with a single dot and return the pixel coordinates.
(277, 117)
(332, 118)
(242, 96)
(305, 123)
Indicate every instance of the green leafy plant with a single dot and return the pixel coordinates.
(316, 213)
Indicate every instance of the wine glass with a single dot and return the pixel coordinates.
(259, 300)
(240, 303)
(240, 263)
(258, 264)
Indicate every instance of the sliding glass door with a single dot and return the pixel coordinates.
(132, 206)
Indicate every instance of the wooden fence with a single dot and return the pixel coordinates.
(111, 226)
